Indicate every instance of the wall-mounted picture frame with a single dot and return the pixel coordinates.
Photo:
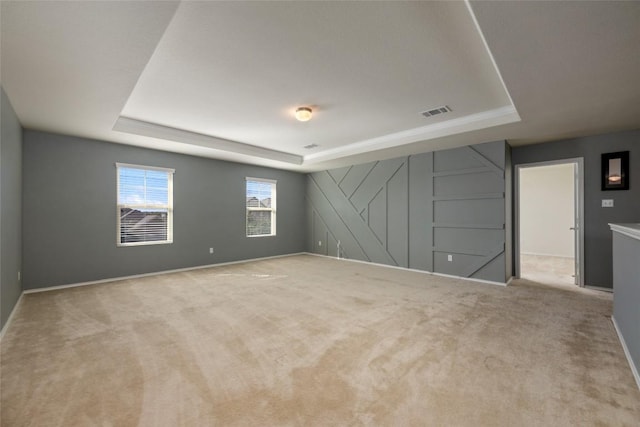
(615, 171)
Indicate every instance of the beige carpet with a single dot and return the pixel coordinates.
(315, 341)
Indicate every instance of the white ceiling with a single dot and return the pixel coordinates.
(222, 79)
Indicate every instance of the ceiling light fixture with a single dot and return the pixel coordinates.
(303, 114)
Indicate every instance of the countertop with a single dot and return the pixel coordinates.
(632, 229)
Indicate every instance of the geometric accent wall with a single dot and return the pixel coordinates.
(416, 212)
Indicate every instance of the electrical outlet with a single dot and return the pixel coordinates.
(319, 242)
(210, 250)
(607, 203)
(450, 258)
(18, 276)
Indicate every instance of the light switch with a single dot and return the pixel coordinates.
(607, 203)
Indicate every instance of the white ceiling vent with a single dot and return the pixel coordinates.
(310, 146)
(436, 111)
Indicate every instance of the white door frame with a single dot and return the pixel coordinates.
(579, 211)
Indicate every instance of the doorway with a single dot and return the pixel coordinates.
(549, 222)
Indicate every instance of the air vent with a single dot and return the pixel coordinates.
(436, 111)
(310, 146)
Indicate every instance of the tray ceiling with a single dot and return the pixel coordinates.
(223, 79)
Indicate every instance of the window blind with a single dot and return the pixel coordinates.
(145, 205)
(261, 207)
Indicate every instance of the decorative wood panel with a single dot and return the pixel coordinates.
(469, 211)
(413, 212)
(356, 210)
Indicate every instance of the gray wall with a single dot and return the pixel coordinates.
(626, 299)
(69, 212)
(597, 245)
(10, 208)
(414, 211)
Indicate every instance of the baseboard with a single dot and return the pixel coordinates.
(599, 288)
(471, 279)
(10, 318)
(549, 255)
(431, 273)
(155, 273)
(634, 369)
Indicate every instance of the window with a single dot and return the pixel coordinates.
(145, 205)
(261, 207)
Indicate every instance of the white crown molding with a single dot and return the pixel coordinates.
(153, 130)
(486, 47)
(482, 120)
(472, 122)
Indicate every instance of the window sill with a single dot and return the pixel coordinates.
(125, 245)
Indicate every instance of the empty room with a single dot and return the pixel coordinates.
(380, 213)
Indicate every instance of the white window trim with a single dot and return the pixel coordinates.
(152, 168)
(272, 209)
(170, 172)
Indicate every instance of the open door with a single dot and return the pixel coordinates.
(578, 228)
(549, 222)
